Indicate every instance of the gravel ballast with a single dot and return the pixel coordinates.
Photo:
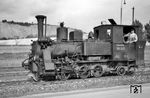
(15, 89)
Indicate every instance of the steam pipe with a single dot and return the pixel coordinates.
(45, 26)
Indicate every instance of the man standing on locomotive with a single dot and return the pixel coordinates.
(132, 37)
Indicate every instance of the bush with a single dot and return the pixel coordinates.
(30, 36)
(3, 38)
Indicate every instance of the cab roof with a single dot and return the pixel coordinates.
(109, 25)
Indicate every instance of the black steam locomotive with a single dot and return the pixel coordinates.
(71, 56)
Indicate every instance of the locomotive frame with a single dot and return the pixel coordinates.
(105, 52)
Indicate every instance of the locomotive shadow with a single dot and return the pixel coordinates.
(52, 78)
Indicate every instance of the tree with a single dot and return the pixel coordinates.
(3, 38)
(4, 20)
(138, 23)
(30, 36)
(147, 29)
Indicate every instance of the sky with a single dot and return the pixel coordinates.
(80, 14)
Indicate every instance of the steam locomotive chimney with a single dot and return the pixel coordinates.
(40, 20)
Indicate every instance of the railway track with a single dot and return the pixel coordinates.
(4, 69)
(12, 71)
(19, 85)
(9, 74)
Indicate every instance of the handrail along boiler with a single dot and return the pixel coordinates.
(71, 56)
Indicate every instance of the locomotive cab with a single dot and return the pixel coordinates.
(121, 50)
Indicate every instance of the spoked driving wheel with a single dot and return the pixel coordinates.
(84, 72)
(63, 76)
(98, 71)
(121, 70)
(131, 70)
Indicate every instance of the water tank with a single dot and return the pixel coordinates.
(76, 35)
(62, 33)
